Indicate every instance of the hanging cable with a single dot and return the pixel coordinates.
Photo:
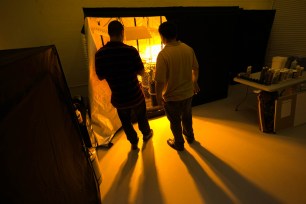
(136, 39)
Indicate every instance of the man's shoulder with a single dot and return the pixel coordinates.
(123, 47)
(130, 47)
(185, 45)
(99, 51)
(119, 46)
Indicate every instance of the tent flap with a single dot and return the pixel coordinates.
(42, 155)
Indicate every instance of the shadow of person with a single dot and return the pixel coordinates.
(211, 193)
(122, 181)
(149, 188)
(244, 190)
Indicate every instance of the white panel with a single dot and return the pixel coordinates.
(300, 109)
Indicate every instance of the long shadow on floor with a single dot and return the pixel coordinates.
(122, 181)
(149, 189)
(244, 190)
(210, 192)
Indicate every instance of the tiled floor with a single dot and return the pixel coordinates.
(231, 161)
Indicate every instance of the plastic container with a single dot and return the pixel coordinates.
(293, 64)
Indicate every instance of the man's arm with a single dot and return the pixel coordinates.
(138, 64)
(100, 74)
(195, 75)
(159, 87)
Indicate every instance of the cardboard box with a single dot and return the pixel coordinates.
(290, 111)
(285, 108)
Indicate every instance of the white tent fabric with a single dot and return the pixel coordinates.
(104, 119)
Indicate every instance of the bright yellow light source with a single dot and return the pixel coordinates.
(151, 52)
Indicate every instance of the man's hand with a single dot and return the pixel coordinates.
(196, 88)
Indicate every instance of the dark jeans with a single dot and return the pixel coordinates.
(179, 114)
(125, 116)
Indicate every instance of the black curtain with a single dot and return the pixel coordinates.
(211, 33)
(253, 32)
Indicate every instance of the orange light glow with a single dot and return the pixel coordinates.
(139, 32)
(151, 53)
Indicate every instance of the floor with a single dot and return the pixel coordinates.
(232, 161)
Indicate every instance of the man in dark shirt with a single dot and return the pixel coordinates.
(119, 64)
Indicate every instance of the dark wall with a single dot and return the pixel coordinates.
(225, 40)
(253, 32)
(211, 33)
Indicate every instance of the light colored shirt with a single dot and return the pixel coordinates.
(174, 67)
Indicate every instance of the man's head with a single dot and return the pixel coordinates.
(168, 31)
(115, 29)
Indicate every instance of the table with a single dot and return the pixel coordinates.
(273, 87)
(285, 110)
(269, 88)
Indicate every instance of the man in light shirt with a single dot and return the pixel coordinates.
(176, 76)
